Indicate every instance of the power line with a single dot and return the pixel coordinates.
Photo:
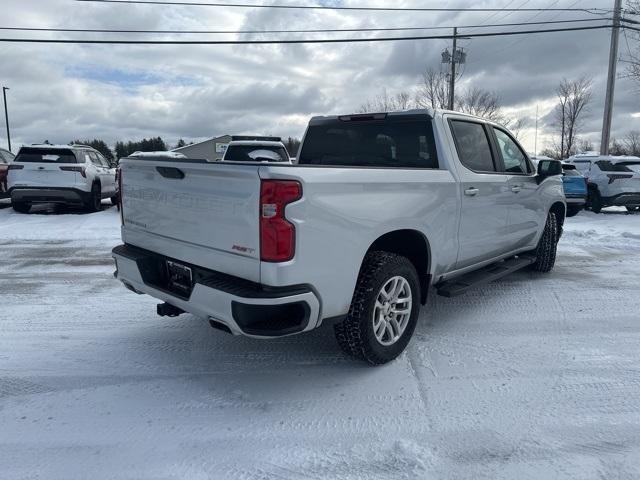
(295, 41)
(517, 41)
(593, 11)
(319, 30)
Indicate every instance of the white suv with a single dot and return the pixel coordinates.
(612, 180)
(64, 174)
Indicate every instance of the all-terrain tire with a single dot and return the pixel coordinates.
(355, 334)
(21, 207)
(545, 252)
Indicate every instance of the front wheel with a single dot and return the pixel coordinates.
(632, 209)
(545, 252)
(384, 309)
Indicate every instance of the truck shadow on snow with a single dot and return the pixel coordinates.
(55, 209)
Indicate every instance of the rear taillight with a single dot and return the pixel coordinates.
(79, 170)
(119, 182)
(277, 234)
(15, 166)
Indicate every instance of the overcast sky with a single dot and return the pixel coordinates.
(62, 92)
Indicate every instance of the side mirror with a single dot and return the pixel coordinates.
(548, 168)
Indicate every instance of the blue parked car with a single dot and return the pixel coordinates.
(575, 189)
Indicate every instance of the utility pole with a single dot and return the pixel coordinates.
(6, 114)
(535, 142)
(611, 79)
(452, 80)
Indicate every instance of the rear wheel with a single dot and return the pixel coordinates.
(95, 198)
(21, 207)
(573, 211)
(384, 309)
(595, 199)
(545, 252)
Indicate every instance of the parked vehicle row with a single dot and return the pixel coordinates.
(380, 210)
(612, 180)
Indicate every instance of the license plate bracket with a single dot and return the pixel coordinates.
(180, 277)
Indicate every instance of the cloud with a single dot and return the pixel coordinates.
(60, 92)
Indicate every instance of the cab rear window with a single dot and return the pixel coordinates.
(388, 141)
(46, 155)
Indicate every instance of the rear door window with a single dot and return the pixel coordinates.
(514, 159)
(472, 144)
(370, 142)
(105, 163)
(633, 166)
(46, 155)
(93, 158)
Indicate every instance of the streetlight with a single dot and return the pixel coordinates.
(6, 114)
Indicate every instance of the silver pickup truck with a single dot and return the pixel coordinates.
(379, 210)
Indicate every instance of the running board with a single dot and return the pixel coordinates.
(460, 285)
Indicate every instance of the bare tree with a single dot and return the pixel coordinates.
(632, 142)
(584, 145)
(617, 148)
(549, 152)
(515, 126)
(481, 103)
(433, 90)
(383, 102)
(633, 62)
(573, 100)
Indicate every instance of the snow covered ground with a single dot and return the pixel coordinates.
(533, 377)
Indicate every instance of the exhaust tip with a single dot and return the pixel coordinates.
(219, 326)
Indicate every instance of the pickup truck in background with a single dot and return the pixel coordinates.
(379, 210)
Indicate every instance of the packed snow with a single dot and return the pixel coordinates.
(532, 377)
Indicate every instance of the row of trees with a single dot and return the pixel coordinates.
(154, 144)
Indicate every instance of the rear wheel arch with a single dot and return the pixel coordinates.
(413, 245)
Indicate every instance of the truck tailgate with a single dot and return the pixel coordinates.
(197, 212)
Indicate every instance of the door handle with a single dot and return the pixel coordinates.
(471, 191)
(516, 188)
